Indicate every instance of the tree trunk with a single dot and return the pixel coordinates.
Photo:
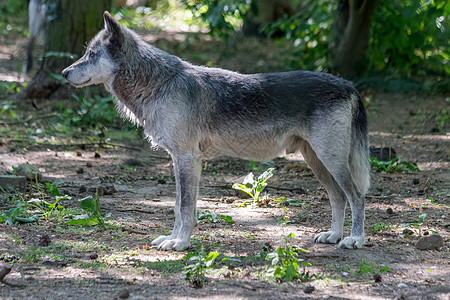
(353, 21)
(70, 26)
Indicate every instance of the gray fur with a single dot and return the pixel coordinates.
(196, 113)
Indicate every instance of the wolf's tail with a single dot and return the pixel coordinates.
(359, 153)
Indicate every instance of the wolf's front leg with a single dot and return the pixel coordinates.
(187, 169)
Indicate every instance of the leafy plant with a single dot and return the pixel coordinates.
(418, 225)
(379, 227)
(17, 215)
(197, 266)
(8, 109)
(432, 201)
(213, 217)
(47, 208)
(393, 165)
(93, 215)
(366, 268)
(53, 187)
(254, 187)
(32, 255)
(285, 263)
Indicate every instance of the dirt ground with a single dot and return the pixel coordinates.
(53, 260)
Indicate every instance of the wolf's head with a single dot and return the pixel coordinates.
(97, 66)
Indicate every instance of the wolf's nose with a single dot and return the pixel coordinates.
(65, 73)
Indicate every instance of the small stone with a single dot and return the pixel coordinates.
(124, 294)
(377, 277)
(345, 274)
(80, 171)
(430, 242)
(309, 289)
(408, 231)
(402, 285)
(11, 182)
(31, 172)
(89, 164)
(133, 162)
(106, 189)
(390, 211)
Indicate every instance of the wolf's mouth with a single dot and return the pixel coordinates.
(83, 83)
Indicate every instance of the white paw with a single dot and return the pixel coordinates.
(174, 244)
(161, 239)
(328, 237)
(352, 242)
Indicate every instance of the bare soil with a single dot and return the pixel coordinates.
(52, 260)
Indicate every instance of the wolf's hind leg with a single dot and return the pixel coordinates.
(335, 193)
(187, 175)
(338, 167)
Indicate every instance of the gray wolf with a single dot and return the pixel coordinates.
(197, 113)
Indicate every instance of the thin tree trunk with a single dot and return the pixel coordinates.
(70, 27)
(354, 18)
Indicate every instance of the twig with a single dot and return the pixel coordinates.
(94, 144)
(130, 210)
(211, 200)
(134, 231)
(377, 197)
(240, 284)
(31, 117)
(286, 189)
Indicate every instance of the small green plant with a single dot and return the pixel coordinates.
(93, 216)
(393, 165)
(53, 187)
(8, 109)
(443, 118)
(434, 202)
(285, 263)
(197, 266)
(32, 255)
(380, 227)
(213, 217)
(366, 268)
(47, 208)
(17, 214)
(254, 187)
(418, 225)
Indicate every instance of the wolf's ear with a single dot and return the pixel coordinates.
(114, 28)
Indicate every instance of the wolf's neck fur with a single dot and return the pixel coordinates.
(143, 71)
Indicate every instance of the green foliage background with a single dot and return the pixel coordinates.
(409, 37)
